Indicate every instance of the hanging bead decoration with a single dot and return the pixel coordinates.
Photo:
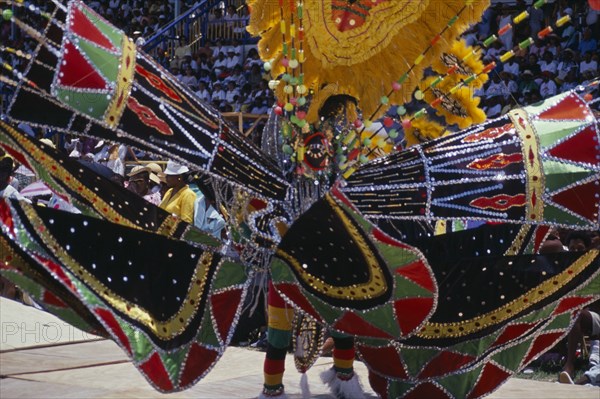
(397, 85)
(503, 57)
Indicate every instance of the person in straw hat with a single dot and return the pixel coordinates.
(142, 181)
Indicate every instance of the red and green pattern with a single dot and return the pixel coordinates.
(172, 369)
(477, 367)
(348, 15)
(568, 137)
(412, 292)
(88, 68)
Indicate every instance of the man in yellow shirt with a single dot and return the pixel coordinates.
(179, 198)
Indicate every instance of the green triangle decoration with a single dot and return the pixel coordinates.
(554, 214)
(281, 272)
(396, 257)
(229, 274)
(141, 346)
(559, 174)
(112, 33)
(68, 315)
(383, 318)
(559, 323)
(398, 389)
(404, 288)
(460, 384)
(416, 358)
(511, 357)
(195, 235)
(550, 133)
(29, 286)
(92, 104)
(591, 288)
(105, 62)
(207, 334)
(475, 347)
(90, 297)
(174, 361)
(535, 316)
(327, 312)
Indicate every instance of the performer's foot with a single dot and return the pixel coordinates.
(343, 385)
(565, 378)
(269, 392)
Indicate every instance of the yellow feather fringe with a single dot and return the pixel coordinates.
(459, 108)
(364, 61)
(422, 130)
(455, 54)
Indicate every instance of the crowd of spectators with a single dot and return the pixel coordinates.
(553, 64)
(225, 77)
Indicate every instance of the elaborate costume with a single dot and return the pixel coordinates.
(356, 253)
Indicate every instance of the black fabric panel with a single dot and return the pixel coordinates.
(320, 242)
(144, 269)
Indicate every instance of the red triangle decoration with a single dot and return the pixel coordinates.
(579, 198)
(411, 312)
(155, 371)
(114, 326)
(491, 376)
(199, 360)
(541, 344)
(384, 360)
(379, 384)
(427, 390)
(540, 234)
(6, 216)
(76, 71)
(292, 292)
(386, 239)
(53, 300)
(567, 108)
(569, 303)
(582, 147)
(418, 273)
(511, 332)
(224, 307)
(83, 27)
(445, 363)
(350, 323)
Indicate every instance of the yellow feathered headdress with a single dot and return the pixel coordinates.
(363, 46)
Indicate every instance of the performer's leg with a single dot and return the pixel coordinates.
(341, 378)
(343, 356)
(279, 332)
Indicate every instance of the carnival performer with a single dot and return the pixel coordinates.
(357, 235)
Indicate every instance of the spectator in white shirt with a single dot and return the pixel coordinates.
(510, 85)
(232, 59)
(218, 92)
(548, 87)
(566, 64)
(495, 87)
(548, 64)
(237, 77)
(220, 64)
(231, 92)
(511, 67)
(189, 78)
(570, 81)
(588, 64)
(203, 92)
